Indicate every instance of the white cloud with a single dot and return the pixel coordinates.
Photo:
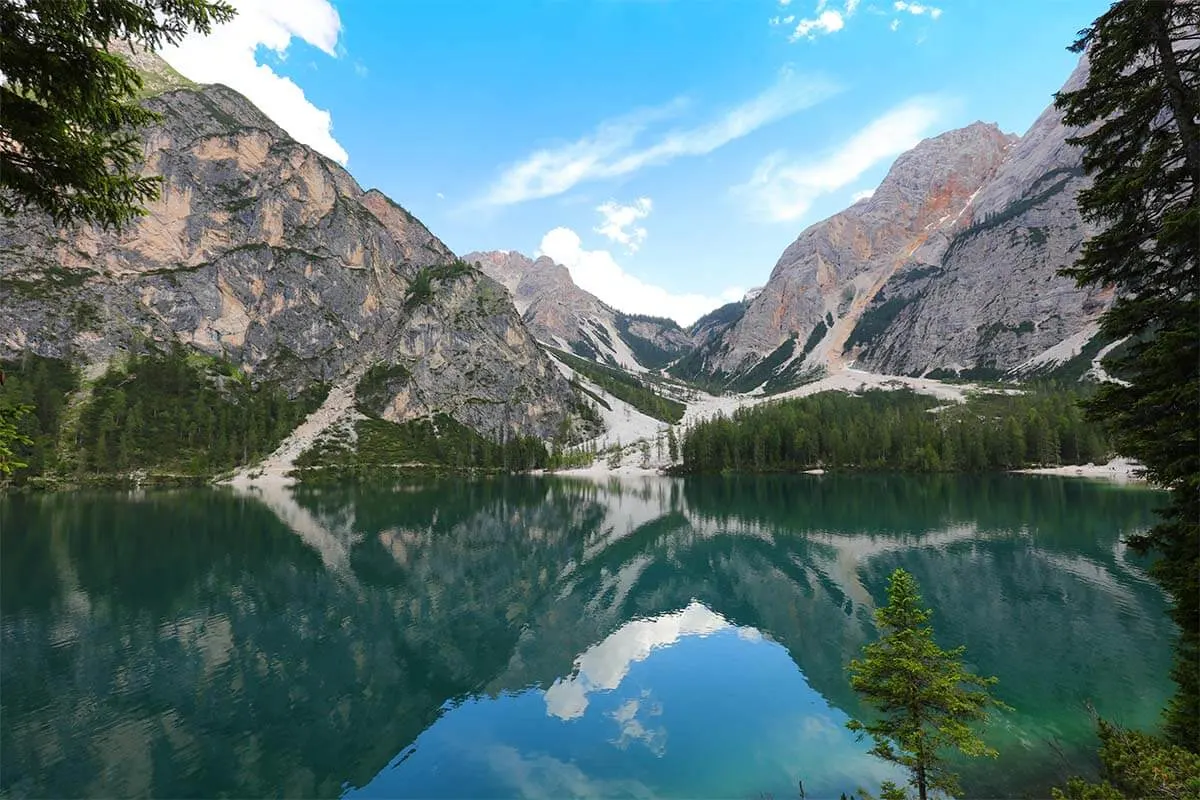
(863, 195)
(613, 149)
(917, 9)
(619, 222)
(596, 271)
(441, 196)
(228, 56)
(825, 22)
(603, 666)
(895, 24)
(784, 190)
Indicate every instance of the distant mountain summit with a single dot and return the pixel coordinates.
(561, 314)
(951, 265)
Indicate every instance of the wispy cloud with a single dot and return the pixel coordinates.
(229, 56)
(917, 9)
(783, 190)
(619, 223)
(824, 21)
(596, 271)
(620, 147)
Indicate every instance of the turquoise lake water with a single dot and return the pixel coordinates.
(552, 637)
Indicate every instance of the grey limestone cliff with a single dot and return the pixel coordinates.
(833, 270)
(995, 298)
(952, 264)
(265, 253)
(559, 313)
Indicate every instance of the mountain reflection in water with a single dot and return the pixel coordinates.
(549, 637)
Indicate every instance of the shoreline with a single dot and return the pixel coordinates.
(1119, 470)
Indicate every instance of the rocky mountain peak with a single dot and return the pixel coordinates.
(265, 254)
(824, 279)
(565, 316)
(951, 264)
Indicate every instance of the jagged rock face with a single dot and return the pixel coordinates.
(560, 313)
(265, 253)
(996, 298)
(951, 264)
(829, 274)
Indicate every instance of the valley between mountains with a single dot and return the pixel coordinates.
(270, 318)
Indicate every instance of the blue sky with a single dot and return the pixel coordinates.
(666, 151)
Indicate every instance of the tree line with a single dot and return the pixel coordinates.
(881, 430)
(183, 413)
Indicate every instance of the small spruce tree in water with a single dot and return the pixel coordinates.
(926, 698)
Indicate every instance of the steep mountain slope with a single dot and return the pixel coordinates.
(706, 334)
(560, 313)
(824, 279)
(995, 299)
(950, 265)
(266, 254)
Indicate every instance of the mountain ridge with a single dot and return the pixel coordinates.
(949, 266)
(268, 255)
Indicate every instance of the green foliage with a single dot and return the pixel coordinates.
(814, 338)
(183, 414)
(437, 441)
(1057, 180)
(648, 353)
(11, 437)
(1140, 114)
(614, 456)
(979, 373)
(622, 385)
(925, 696)
(764, 370)
(881, 430)
(986, 334)
(584, 349)
(45, 282)
(70, 121)
(691, 367)
(423, 285)
(41, 386)
(379, 385)
(876, 319)
(722, 317)
(591, 413)
(1137, 765)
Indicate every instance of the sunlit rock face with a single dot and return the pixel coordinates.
(264, 252)
(996, 298)
(951, 264)
(561, 314)
(832, 270)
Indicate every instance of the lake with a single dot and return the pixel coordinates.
(550, 637)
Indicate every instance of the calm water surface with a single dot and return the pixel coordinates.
(551, 637)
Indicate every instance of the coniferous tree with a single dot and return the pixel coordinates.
(926, 698)
(11, 436)
(1140, 113)
(68, 141)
